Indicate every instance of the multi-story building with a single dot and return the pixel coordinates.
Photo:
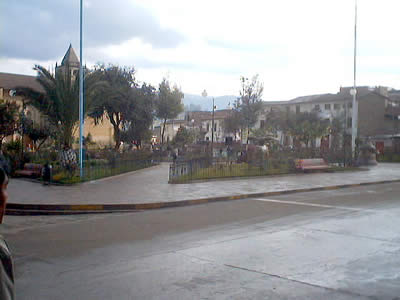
(378, 111)
(202, 122)
(170, 131)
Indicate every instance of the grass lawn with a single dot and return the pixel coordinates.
(244, 170)
(98, 172)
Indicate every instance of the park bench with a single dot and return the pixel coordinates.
(311, 164)
(30, 170)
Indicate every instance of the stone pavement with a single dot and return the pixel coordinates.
(151, 185)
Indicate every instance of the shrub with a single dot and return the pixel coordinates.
(13, 146)
(65, 178)
(98, 162)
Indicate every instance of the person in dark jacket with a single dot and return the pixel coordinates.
(6, 266)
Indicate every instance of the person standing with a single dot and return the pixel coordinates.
(7, 291)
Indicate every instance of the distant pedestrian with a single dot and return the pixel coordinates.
(7, 291)
(46, 173)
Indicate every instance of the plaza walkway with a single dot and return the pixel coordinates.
(151, 185)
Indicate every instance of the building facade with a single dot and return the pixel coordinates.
(202, 123)
(378, 111)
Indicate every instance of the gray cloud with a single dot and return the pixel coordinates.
(43, 29)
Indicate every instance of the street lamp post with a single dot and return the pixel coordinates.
(344, 133)
(353, 91)
(81, 117)
(212, 130)
(23, 129)
(194, 135)
(204, 94)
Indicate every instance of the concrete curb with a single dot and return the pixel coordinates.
(73, 209)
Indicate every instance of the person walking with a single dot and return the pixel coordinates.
(7, 291)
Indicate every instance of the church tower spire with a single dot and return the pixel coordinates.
(70, 58)
(70, 63)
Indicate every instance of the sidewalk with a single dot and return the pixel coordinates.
(151, 186)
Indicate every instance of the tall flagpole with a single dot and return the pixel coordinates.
(81, 118)
(354, 122)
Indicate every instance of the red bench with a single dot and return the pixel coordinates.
(311, 164)
(30, 170)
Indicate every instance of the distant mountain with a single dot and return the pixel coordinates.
(197, 102)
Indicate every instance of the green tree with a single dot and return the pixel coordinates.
(233, 123)
(60, 99)
(307, 126)
(38, 134)
(139, 117)
(169, 103)
(337, 132)
(8, 119)
(114, 98)
(249, 103)
(183, 137)
(278, 120)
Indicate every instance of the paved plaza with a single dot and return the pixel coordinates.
(151, 185)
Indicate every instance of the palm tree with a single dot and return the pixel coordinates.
(59, 101)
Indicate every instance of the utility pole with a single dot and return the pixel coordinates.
(344, 134)
(353, 92)
(212, 129)
(81, 114)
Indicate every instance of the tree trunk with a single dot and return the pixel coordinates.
(37, 148)
(163, 131)
(67, 136)
(248, 134)
(117, 133)
(117, 136)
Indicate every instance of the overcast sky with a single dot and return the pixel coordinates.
(297, 47)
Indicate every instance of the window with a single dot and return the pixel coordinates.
(349, 122)
(316, 107)
(336, 106)
(327, 106)
(208, 126)
(262, 123)
(349, 105)
(297, 109)
(215, 127)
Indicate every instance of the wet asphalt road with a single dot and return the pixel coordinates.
(342, 244)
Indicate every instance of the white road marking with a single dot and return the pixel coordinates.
(312, 204)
